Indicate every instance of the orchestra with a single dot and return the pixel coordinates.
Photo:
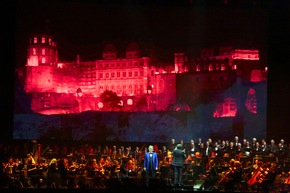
(222, 168)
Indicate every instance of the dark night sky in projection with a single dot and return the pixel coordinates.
(81, 27)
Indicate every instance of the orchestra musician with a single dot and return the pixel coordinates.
(163, 153)
(30, 170)
(132, 167)
(53, 176)
(63, 172)
(256, 175)
(212, 175)
(227, 177)
(268, 176)
(124, 171)
(8, 168)
(192, 158)
(171, 146)
(191, 149)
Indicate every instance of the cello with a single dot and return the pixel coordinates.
(257, 174)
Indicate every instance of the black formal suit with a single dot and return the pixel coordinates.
(178, 161)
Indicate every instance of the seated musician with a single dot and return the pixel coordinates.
(212, 175)
(92, 167)
(123, 173)
(31, 164)
(62, 166)
(190, 158)
(228, 176)
(238, 172)
(31, 170)
(132, 167)
(268, 176)
(9, 166)
(256, 174)
(53, 176)
(18, 170)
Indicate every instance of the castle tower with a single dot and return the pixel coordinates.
(179, 60)
(42, 58)
(42, 51)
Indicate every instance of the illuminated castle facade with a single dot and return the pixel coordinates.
(58, 87)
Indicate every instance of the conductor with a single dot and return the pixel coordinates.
(178, 161)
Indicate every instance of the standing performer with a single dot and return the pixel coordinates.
(178, 161)
(150, 164)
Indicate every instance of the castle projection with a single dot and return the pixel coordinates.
(130, 81)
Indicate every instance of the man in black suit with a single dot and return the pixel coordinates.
(178, 161)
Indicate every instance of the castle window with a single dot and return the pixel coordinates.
(130, 74)
(112, 75)
(49, 41)
(210, 67)
(101, 65)
(100, 75)
(35, 40)
(113, 65)
(124, 74)
(136, 73)
(43, 51)
(43, 60)
(34, 51)
(107, 75)
(107, 65)
(141, 73)
(130, 89)
(124, 65)
(43, 40)
(101, 89)
(223, 67)
(197, 68)
(118, 74)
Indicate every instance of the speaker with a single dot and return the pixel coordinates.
(198, 184)
(188, 179)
